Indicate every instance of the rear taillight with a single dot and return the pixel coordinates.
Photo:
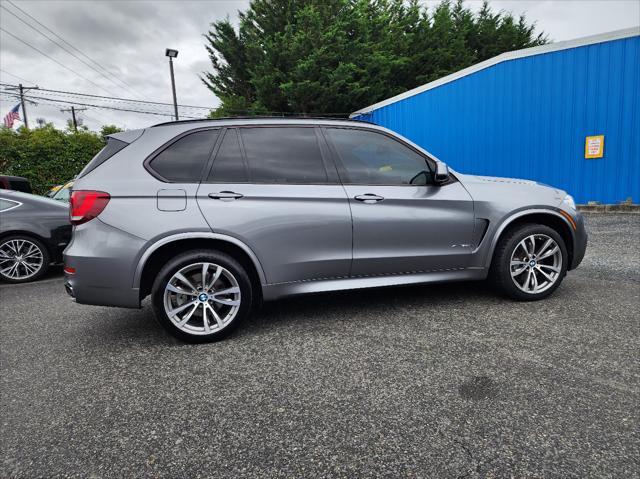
(86, 205)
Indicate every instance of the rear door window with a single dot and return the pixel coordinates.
(283, 155)
(229, 166)
(184, 160)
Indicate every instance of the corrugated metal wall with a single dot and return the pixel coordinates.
(528, 118)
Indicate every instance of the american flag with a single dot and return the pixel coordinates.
(13, 115)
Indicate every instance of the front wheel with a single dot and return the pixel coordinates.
(201, 296)
(530, 262)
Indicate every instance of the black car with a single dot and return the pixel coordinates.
(15, 183)
(33, 233)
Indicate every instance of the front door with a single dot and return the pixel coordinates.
(402, 222)
(269, 188)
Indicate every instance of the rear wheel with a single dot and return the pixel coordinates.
(530, 262)
(201, 296)
(22, 259)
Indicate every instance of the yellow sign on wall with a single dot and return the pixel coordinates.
(594, 146)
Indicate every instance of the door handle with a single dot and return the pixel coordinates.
(369, 198)
(225, 196)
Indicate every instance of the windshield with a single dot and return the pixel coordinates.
(63, 193)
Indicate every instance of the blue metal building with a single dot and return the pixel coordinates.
(528, 113)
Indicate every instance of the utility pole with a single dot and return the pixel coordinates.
(73, 111)
(21, 90)
(24, 110)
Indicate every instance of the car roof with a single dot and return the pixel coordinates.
(14, 178)
(265, 120)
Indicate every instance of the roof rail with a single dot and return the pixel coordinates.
(258, 117)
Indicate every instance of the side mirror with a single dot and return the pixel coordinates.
(442, 172)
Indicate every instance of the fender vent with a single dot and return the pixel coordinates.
(479, 230)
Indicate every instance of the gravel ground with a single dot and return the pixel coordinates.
(430, 381)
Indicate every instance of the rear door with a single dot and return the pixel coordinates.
(270, 187)
(402, 221)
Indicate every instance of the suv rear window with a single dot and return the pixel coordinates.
(112, 147)
(184, 159)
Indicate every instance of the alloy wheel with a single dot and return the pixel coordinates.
(202, 298)
(20, 259)
(536, 263)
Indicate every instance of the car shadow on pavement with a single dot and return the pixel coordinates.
(368, 305)
(365, 304)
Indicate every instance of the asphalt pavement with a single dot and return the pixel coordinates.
(428, 381)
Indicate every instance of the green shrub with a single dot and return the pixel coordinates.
(47, 156)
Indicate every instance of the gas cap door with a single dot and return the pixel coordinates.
(172, 200)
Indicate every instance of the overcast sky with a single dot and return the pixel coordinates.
(128, 39)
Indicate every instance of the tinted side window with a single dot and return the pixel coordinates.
(372, 158)
(184, 159)
(112, 147)
(228, 166)
(20, 184)
(283, 155)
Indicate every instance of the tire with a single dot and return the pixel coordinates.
(527, 271)
(32, 255)
(200, 314)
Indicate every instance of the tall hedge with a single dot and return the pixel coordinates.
(332, 57)
(47, 156)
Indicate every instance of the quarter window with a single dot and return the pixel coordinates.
(371, 158)
(183, 160)
(112, 147)
(6, 205)
(283, 155)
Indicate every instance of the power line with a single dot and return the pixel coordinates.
(114, 99)
(99, 65)
(104, 107)
(61, 46)
(16, 76)
(54, 60)
(194, 107)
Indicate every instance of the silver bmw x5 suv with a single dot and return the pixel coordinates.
(212, 217)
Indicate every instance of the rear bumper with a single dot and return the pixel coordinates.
(98, 296)
(104, 260)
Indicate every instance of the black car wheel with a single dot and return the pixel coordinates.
(530, 262)
(201, 296)
(22, 259)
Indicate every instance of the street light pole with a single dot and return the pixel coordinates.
(173, 54)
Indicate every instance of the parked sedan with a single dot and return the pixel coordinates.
(33, 233)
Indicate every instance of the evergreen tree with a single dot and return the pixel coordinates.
(331, 57)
